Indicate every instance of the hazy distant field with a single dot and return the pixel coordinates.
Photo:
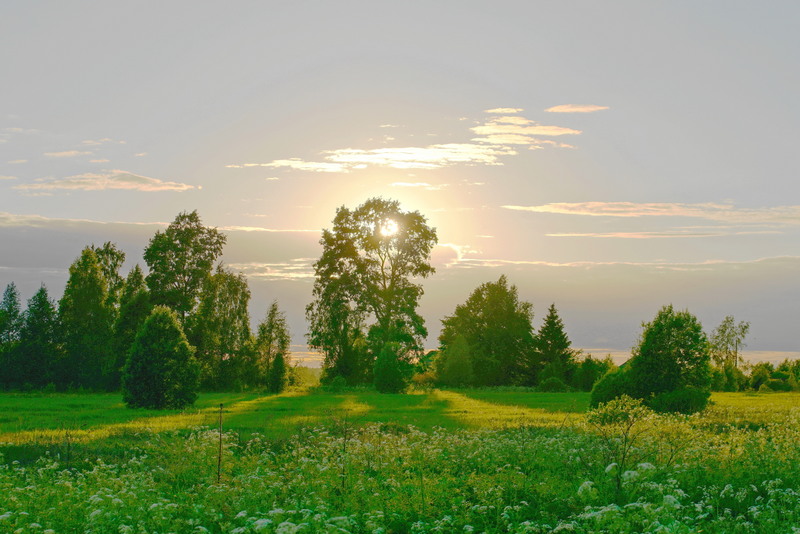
(473, 460)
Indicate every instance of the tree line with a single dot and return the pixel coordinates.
(109, 332)
(99, 336)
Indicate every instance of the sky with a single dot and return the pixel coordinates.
(608, 157)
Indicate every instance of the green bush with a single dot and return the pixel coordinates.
(776, 384)
(685, 400)
(553, 385)
(388, 372)
(613, 384)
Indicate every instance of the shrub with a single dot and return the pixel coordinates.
(613, 384)
(684, 400)
(776, 384)
(553, 385)
(388, 373)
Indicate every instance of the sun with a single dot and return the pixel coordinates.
(389, 228)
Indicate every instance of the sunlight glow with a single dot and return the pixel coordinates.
(389, 228)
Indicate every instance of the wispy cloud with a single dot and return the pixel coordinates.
(262, 229)
(8, 178)
(294, 269)
(576, 108)
(66, 154)
(18, 161)
(499, 137)
(421, 185)
(39, 221)
(504, 110)
(672, 234)
(103, 141)
(98, 161)
(115, 179)
(783, 215)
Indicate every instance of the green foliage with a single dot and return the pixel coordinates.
(497, 328)
(134, 309)
(111, 259)
(86, 321)
(277, 376)
(726, 341)
(38, 352)
(160, 371)
(589, 371)
(10, 325)
(552, 385)
(366, 271)
(554, 350)
(454, 364)
(760, 374)
(220, 330)
(180, 259)
(673, 353)
(272, 341)
(389, 370)
(684, 400)
(613, 384)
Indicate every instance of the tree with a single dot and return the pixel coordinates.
(554, 348)
(85, 319)
(180, 259)
(455, 364)
(160, 371)
(111, 259)
(134, 308)
(391, 370)
(365, 273)
(726, 340)
(497, 328)
(38, 353)
(272, 344)
(673, 354)
(277, 376)
(10, 323)
(220, 330)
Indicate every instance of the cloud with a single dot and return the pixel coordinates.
(496, 128)
(8, 178)
(103, 141)
(728, 213)
(98, 161)
(115, 179)
(575, 108)
(504, 110)
(262, 229)
(421, 185)
(294, 269)
(66, 154)
(18, 161)
(498, 137)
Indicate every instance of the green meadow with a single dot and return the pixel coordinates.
(479, 460)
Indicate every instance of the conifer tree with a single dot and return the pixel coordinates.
(134, 308)
(554, 348)
(38, 354)
(160, 371)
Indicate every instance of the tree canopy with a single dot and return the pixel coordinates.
(180, 259)
(497, 328)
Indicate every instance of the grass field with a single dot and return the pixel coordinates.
(472, 460)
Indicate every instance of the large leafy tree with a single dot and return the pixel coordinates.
(86, 321)
(367, 274)
(554, 349)
(726, 341)
(673, 354)
(497, 328)
(220, 330)
(180, 259)
(38, 353)
(160, 371)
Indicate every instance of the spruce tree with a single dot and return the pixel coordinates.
(10, 322)
(38, 354)
(160, 371)
(389, 376)
(554, 348)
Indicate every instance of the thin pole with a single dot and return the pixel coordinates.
(219, 455)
